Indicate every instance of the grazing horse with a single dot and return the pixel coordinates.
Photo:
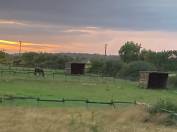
(39, 72)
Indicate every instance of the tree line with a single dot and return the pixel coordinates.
(131, 59)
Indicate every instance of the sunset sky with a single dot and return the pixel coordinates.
(86, 25)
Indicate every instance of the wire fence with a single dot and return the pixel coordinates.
(12, 72)
(50, 74)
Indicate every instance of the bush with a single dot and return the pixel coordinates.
(173, 81)
(162, 104)
(112, 67)
(107, 67)
(131, 70)
(96, 66)
(167, 108)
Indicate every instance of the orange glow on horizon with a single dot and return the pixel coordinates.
(92, 40)
(13, 46)
(7, 42)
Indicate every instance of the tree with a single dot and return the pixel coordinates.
(2, 56)
(130, 51)
(112, 67)
(28, 58)
(131, 70)
(97, 66)
(160, 59)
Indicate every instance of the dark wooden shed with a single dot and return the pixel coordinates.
(77, 68)
(153, 79)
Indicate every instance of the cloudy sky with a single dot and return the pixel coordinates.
(86, 25)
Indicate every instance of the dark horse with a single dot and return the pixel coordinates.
(39, 72)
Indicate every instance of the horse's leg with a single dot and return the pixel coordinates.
(38, 72)
(35, 73)
(43, 74)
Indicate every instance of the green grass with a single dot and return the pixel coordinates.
(80, 87)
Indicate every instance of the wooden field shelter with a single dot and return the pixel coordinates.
(75, 68)
(153, 79)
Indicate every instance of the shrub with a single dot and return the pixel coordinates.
(173, 81)
(112, 67)
(96, 66)
(131, 70)
(107, 67)
(162, 104)
(165, 107)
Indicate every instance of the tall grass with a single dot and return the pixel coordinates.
(163, 105)
(78, 120)
(167, 107)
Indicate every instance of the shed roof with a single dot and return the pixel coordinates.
(76, 62)
(160, 72)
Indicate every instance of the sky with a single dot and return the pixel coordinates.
(85, 26)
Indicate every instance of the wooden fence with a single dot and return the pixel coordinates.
(4, 72)
(48, 73)
(113, 103)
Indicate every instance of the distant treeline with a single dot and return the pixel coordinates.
(131, 59)
(47, 60)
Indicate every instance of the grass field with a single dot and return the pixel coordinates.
(29, 116)
(80, 87)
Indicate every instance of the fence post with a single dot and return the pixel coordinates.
(65, 77)
(63, 101)
(135, 102)
(1, 100)
(37, 101)
(112, 103)
(92, 116)
(53, 75)
(1, 73)
(87, 103)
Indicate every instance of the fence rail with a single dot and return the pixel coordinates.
(113, 103)
(48, 74)
(173, 113)
(4, 72)
(63, 100)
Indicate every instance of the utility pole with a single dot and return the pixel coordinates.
(20, 47)
(105, 52)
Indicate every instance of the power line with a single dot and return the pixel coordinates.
(105, 52)
(20, 47)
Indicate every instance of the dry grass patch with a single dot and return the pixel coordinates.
(134, 119)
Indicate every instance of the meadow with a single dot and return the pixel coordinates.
(94, 88)
(30, 115)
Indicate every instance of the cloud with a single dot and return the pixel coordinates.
(94, 41)
(121, 14)
(86, 25)
(12, 22)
